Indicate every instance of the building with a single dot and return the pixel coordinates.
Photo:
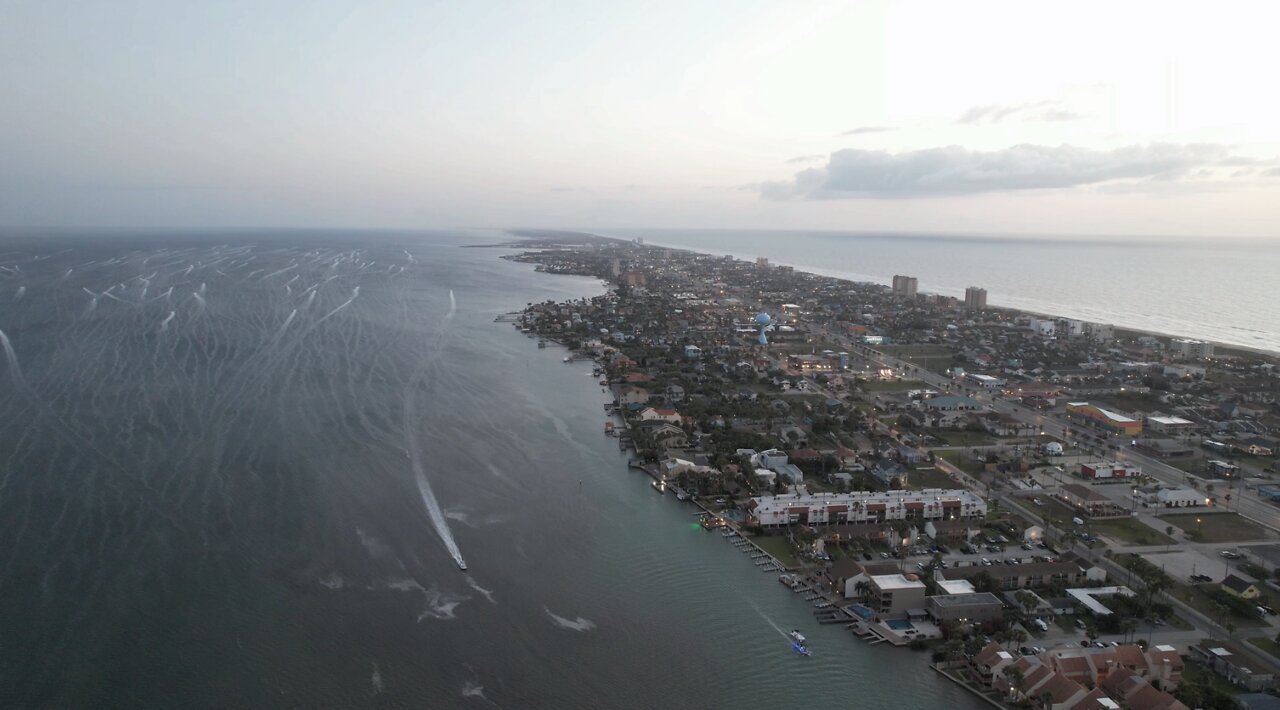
(1164, 448)
(904, 286)
(1180, 498)
(893, 594)
(865, 507)
(1090, 502)
(1044, 327)
(651, 414)
(1233, 662)
(987, 664)
(1170, 425)
(983, 381)
(1088, 597)
(975, 299)
(1106, 420)
(952, 403)
(1191, 349)
(1023, 576)
(631, 278)
(1241, 587)
(1109, 472)
(812, 363)
(977, 608)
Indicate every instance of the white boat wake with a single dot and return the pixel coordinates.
(578, 624)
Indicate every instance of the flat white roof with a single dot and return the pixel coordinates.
(956, 586)
(1086, 597)
(895, 582)
(1170, 420)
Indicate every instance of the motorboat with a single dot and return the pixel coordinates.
(797, 636)
(800, 649)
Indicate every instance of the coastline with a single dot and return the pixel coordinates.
(884, 280)
(575, 238)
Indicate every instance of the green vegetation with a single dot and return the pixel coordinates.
(961, 437)
(935, 358)
(1202, 688)
(962, 460)
(1217, 527)
(918, 479)
(1220, 606)
(778, 546)
(1130, 530)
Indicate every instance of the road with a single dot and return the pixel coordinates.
(1250, 507)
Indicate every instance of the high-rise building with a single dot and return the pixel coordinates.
(1191, 349)
(904, 285)
(975, 299)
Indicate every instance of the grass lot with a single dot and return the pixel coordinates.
(1129, 530)
(962, 437)
(1067, 622)
(961, 460)
(929, 478)
(1197, 597)
(1266, 644)
(891, 385)
(935, 358)
(1133, 402)
(1217, 527)
(779, 547)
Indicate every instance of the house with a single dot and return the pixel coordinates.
(665, 434)
(1233, 662)
(999, 424)
(1024, 576)
(629, 394)
(988, 664)
(1137, 693)
(855, 576)
(650, 414)
(890, 473)
(1240, 587)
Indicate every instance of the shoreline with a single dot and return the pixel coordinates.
(547, 237)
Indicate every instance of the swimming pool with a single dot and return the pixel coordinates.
(899, 624)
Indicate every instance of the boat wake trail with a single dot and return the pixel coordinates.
(578, 624)
(436, 514)
(14, 370)
(769, 621)
(488, 593)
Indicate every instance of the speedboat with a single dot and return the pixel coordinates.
(462, 565)
(800, 649)
(797, 636)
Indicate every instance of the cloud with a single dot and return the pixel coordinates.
(866, 129)
(1273, 172)
(807, 158)
(1026, 111)
(953, 170)
(562, 189)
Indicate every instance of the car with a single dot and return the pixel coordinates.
(1230, 555)
(884, 555)
(1114, 644)
(1085, 643)
(1099, 644)
(867, 556)
(1037, 501)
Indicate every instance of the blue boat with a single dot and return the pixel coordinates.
(800, 649)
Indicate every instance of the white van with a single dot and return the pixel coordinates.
(1039, 623)
(1077, 521)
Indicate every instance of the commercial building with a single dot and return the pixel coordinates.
(1104, 419)
(1170, 425)
(813, 363)
(1090, 502)
(978, 608)
(1180, 498)
(975, 299)
(1088, 597)
(984, 381)
(865, 507)
(904, 286)
(1191, 349)
(1108, 472)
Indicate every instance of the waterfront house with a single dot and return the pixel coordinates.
(650, 414)
(987, 664)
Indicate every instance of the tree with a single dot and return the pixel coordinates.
(1014, 675)
(1091, 632)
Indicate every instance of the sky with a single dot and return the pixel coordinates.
(975, 117)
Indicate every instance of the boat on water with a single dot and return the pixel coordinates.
(797, 636)
(800, 649)
(462, 565)
(681, 495)
(660, 486)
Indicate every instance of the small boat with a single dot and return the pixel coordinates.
(462, 565)
(568, 359)
(660, 486)
(681, 495)
(542, 343)
(797, 636)
(800, 649)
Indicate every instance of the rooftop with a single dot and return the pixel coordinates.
(895, 582)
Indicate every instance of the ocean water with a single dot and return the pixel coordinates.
(1215, 289)
(236, 470)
